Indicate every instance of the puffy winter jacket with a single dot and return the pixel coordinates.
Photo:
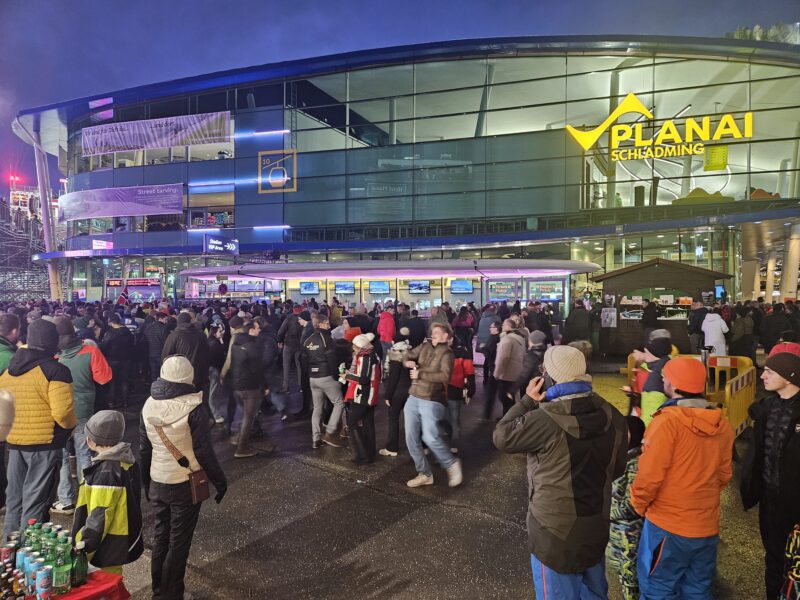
(714, 330)
(319, 355)
(108, 515)
(290, 332)
(386, 327)
(510, 356)
(179, 410)
(117, 344)
(434, 367)
(88, 367)
(364, 379)
(42, 390)
(577, 326)
(576, 446)
(154, 335)
(245, 362)
(685, 465)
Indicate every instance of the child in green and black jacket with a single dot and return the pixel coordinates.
(108, 516)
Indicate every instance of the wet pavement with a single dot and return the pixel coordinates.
(305, 523)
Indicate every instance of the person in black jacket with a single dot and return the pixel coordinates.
(154, 334)
(289, 343)
(117, 347)
(246, 384)
(187, 340)
(489, 357)
(770, 477)
(772, 326)
(398, 382)
(697, 314)
(268, 341)
(537, 345)
(319, 358)
(417, 331)
(650, 314)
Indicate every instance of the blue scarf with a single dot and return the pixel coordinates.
(570, 388)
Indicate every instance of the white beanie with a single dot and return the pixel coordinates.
(177, 369)
(565, 364)
(363, 339)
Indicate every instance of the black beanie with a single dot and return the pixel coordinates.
(785, 364)
(659, 347)
(635, 431)
(43, 335)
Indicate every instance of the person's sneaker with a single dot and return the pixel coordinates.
(234, 440)
(420, 479)
(454, 475)
(246, 453)
(385, 452)
(219, 420)
(333, 440)
(62, 509)
(284, 416)
(345, 433)
(317, 444)
(454, 450)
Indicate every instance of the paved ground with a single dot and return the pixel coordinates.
(309, 524)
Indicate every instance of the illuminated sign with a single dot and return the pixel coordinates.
(670, 140)
(214, 244)
(102, 245)
(277, 171)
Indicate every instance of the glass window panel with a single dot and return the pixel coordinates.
(701, 73)
(378, 210)
(318, 188)
(129, 159)
(169, 108)
(317, 91)
(521, 68)
(220, 151)
(662, 245)
(213, 102)
(446, 206)
(314, 140)
(381, 83)
(774, 94)
(529, 93)
(388, 158)
(771, 164)
(131, 113)
(315, 213)
(156, 156)
(375, 111)
(270, 94)
(373, 185)
(526, 201)
(776, 124)
(449, 103)
(446, 128)
(526, 174)
(449, 75)
(557, 251)
(453, 177)
(381, 134)
(711, 100)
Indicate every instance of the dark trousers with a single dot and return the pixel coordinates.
(503, 390)
(395, 416)
(175, 519)
(3, 480)
(250, 401)
(155, 368)
(308, 398)
(119, 383)
(775, 526)
(361, 422)
(489, 394)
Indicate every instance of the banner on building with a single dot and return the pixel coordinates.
(122, 202)
(187, 130)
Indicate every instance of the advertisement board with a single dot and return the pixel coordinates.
(502, 290)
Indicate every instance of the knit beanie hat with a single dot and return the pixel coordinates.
(352, 333)
(537, 338)
(363, 340)
(659, 347)
(787, 365)
(64, 326)
(305, 315)
(565, 364)
(177, 369)
(236, 322)
(184, 318)
(106, 428)
(660, 333)
(686, 374)
(43, 335)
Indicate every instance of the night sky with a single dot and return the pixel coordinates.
(55, 50)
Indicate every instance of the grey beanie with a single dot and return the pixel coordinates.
(106, 428)
(43, 335)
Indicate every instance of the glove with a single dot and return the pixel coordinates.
(220, 495)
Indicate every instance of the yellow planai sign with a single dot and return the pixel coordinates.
(670, 140)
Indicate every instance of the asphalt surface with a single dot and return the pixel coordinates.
(309, 524)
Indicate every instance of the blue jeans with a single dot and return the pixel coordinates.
(217, 394)
(551, 585)
(67, 494)
(422, 425)
(673, 566)
(31, 483)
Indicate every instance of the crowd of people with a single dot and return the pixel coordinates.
(650, 482)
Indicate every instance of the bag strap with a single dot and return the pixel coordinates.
(176, 454)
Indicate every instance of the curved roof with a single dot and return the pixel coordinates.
(53, 117)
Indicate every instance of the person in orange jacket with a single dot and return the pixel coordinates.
(685, 465)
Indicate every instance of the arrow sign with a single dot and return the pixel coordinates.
(215, 244)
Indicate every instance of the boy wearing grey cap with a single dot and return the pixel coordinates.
(108, 517)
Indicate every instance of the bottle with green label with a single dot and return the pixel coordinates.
(62, 568)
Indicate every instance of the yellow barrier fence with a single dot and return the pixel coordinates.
(740, 393)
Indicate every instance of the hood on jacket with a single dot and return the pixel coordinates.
(72, 350)
(582, 416)
(121, 452)
(27, 359)
(399, 350)
(712, 317)
(163, 412)
(698, 415)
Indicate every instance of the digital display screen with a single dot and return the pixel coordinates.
(379, 287)
(502, 290)
(308, 288)
(461, 286)
(719, 290)
(419, 287)
(546, 290)
(345, 287)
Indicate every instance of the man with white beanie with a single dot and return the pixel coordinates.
(577, 445)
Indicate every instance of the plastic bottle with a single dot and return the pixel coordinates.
(29, 532)
(80, 565)
(36, 537)
(62, 569)
(49, 548)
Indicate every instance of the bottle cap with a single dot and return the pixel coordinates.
(31, 521)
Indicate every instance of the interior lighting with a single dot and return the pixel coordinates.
(272, 227)
(204, 230)
(660, 236)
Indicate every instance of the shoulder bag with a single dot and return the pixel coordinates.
(198, 480)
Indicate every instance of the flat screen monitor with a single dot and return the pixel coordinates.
(309, 288)
(719, 290)
(461, 286)
(421, 286)
(379, 288)
(345, 288)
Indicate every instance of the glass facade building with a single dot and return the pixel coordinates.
(450, 150)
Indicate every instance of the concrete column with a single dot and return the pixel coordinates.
(611, 177)
(609, 256)
(791, 263)
(757, 281)
(43, 182)
(770, 283)
(749, 280)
